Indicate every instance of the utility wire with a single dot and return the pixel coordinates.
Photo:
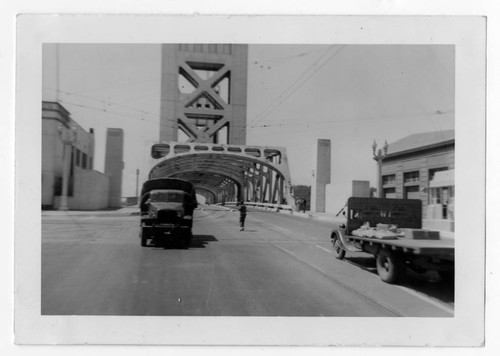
(267, 64)
(297, 84)
(331, 121)
(109, 111)
(103, 101)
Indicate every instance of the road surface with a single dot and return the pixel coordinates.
(281, 265)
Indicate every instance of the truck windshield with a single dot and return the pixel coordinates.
(168, 196)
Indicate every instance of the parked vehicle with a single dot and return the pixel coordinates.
(167, 206)
(391, 230)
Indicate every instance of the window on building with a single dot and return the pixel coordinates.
(78, 152)
(412, 192)
(411, 177)
(389, 179)
(91, 162)
(212, 48)
(72, 164)
(84, 160)
(57, 186)
(390, 193)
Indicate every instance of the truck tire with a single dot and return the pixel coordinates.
(390, 267)
(338, 252)
(186, 239)
(447, 276)
(144, 237)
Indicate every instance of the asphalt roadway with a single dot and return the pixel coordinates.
(281, 265)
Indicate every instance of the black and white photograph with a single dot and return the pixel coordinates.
(303, 181)
(350, 207)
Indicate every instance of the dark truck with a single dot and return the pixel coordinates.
(391, 230)
(167, 206)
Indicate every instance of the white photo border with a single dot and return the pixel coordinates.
(467, 34)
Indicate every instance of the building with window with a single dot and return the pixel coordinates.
(421, 166)
(68, 178)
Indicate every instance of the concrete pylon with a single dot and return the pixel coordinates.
(204, 92)
(113, 166)
(321, 175)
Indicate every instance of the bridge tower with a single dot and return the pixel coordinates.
(204, 93)
(203, 128)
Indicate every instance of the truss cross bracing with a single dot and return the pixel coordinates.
(224, 173)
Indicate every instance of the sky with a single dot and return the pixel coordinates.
(349, 94)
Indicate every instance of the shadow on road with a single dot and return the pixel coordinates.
(200, 241)
(428, 283)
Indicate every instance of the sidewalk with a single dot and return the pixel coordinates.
(125, 211)
(330, 217)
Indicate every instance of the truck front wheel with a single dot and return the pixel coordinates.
(390, 267)
(144, 237)
(338, 251)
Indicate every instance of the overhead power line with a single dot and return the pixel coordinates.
(106, 102)
(332, 121)
(297, 84)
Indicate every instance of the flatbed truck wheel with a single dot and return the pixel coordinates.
(338, 252)
(390, 266)
(447, 276)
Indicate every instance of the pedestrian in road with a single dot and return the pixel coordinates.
(243, 215)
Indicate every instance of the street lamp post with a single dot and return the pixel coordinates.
(67, 139)
(137, 184)
(379, 157)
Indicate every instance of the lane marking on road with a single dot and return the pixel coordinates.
(419, 295)
(324, 249)
(345, 285)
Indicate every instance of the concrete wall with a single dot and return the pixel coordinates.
(56, 125)
(52, 158)
(91, 190)
(169, 93)
(113, 166)
(335, 198)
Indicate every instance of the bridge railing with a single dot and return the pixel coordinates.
(267, 206)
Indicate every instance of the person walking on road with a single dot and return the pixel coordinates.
(243, 215)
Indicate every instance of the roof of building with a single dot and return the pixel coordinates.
(420, 141)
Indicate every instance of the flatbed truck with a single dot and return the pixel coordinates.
(427, 251)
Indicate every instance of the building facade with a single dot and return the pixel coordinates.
(421, 166)
(68, 178)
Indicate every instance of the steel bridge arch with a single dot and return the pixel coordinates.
(227, 172)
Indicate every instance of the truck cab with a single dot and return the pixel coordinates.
(167, 206)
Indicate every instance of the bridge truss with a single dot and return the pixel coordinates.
(226, 173)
